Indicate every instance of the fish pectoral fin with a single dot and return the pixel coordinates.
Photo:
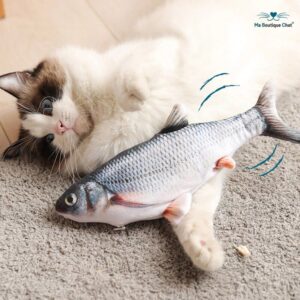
(178, 209)
(226, 162)
(119, 200)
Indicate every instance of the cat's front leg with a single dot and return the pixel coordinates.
(141, 74)
(196, 232)
(131, 88)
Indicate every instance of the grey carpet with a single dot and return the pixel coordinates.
(43, 256)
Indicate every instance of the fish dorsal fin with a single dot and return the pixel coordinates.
(176, 120)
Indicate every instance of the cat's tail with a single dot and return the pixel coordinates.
(275, 125)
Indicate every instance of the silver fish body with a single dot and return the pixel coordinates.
(156, 178)
(178, 162)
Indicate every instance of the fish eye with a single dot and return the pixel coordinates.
(47, 106)
(71, 200)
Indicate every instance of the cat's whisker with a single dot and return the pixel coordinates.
(22, 142)
(70, 157)
(39, 106)
(63, 161)
(22, 110)
(57, 153)
(33, 145)
(68, 168)
(72, 168)
(53, 153)
(60, 158)
(26, 108)
(76, 164)
(30, 150)
(74, 154)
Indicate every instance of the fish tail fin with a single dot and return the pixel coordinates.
(275, 125)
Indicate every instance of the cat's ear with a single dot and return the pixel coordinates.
(12, 151)
(14, 83)
(15, 149)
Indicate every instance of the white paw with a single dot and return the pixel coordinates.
(205, 252)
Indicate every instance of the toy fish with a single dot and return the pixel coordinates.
(158, 177)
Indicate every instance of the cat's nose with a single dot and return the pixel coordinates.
(60, 128)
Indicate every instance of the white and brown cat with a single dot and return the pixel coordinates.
(79, 108)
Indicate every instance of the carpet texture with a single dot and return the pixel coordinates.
(44, 256)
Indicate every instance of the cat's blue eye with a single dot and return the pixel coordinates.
(49, 138)
(46, 106)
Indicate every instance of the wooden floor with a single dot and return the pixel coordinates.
(1, 9)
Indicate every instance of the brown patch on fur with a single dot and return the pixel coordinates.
(46, 80)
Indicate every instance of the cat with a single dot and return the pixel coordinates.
(80, 108)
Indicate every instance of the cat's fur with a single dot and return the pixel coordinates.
(122, 97)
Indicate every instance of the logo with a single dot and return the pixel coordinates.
(274, 19)
(273, 16)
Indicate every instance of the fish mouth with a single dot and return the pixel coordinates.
(75, 218)
(62, 214)
(60, 210)
(59, 207)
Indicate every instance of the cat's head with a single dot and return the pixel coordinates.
(53, 121)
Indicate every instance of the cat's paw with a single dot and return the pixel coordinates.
(131, 90)
(198, 240)
(206, 254)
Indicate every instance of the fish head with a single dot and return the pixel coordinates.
(81, 201)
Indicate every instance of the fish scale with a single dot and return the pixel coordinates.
(146, 169)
